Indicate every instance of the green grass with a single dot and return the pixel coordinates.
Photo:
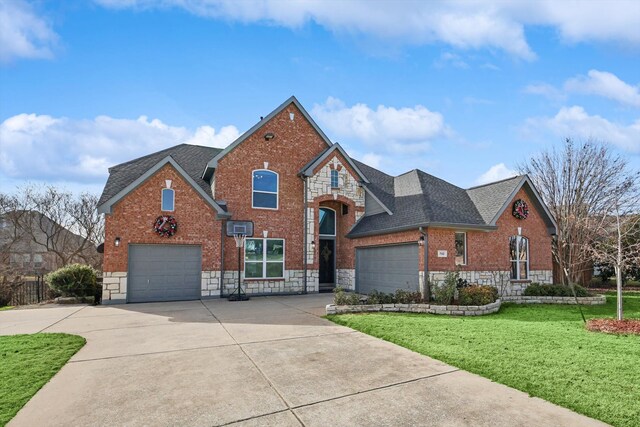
(543, 350)
(6, 307)
(27, 362)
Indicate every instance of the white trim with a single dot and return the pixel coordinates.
(162, 200)
(277, 192)
(335, 222)
(264, 261)
(466, 260)
(518, 260)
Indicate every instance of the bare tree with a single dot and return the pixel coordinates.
(578, 182)
(56, 222)
(617, 235)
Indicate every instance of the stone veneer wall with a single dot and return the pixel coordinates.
(521, 299)
(487, 278)
(114, 287)
(210, 284)
(320, 185)
(293, 282)
(346, 278)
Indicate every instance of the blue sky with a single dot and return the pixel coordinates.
(462, 90)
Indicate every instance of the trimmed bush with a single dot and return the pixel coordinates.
(445, 292)
(377, 297)
(75, 280)
(340, 297)
(407, 297)
(540, 290)
(477, 295)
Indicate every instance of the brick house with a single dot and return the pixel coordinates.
(321, 219)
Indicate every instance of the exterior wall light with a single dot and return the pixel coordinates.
(421, 241)
(313, 244)
(117, 242)
(269, 136)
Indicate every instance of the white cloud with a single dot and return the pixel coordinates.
(495, 173)
(605, 84)
(372, 159)
(492, 24)
(41, 147)
(546, 90)
(575, 122)
(452, 59)
(402, 129)
(23, 34)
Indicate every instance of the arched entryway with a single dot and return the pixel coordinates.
(327, 227)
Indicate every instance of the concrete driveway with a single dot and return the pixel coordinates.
(271, 361)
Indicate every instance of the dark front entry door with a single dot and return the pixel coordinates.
(327, 263)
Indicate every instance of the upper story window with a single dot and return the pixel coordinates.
(335, 182)
(519, 254)
(168, 199)
(461, 248)
(265, 189)
(327, 222)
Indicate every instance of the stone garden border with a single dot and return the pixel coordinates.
(452, 310)
(522, 299)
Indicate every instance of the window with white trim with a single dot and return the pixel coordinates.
(327, 222)
(265, 189)
(264, 258)
(168, 199)
(519, 254)
(461, 248)
(335, 181)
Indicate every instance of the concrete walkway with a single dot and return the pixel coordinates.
(271, 361)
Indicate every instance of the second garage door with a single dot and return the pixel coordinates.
(164, 273)
(387, 268)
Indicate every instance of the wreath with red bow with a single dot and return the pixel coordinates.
(165, 226)
(520, 209)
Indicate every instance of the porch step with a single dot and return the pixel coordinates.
(326, 287)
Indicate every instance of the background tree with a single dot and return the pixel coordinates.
(54, 221)
(578, 182)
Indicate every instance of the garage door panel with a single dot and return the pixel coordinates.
(387, 268)
(164, 272)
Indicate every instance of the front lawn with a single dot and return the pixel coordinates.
(27, 362)
(543, 350)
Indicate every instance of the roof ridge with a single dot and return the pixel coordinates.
(147, 156)
(496, 182)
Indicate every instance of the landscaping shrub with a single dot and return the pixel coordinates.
(75, 280)
(376, 297)
(407, 297)
(443, 293)
(477, 295)
(5, 293)
(537, 290)
(340, 297)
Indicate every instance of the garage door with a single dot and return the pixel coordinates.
(387, 268)
(164, 273)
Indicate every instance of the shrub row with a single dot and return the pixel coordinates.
(540, 290)
(477, 295)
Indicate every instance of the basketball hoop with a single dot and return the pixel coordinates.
(239, 238)
(239, 230)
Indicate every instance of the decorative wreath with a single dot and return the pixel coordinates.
(520, 209)
(165, 226)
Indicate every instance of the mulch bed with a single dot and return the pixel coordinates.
(613, 326)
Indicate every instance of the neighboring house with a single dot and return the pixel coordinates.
(321, 220)
(29, 241)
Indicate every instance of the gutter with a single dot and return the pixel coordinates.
(431, 224)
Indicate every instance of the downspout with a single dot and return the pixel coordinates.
(427, 284)
(222, 235)
(304, 249)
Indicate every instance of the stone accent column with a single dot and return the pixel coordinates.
(114, 287)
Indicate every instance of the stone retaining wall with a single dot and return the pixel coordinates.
(453, 310)
(521, 299)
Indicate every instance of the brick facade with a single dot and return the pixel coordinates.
(294, 145)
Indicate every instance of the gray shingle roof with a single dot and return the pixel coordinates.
(192, 158)
(490, 198)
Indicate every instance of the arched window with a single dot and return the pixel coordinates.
(168, 199)
(327, 222)
(519, 254)
(265, 189)
(335, 182)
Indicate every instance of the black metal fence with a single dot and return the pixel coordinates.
(32, 290)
